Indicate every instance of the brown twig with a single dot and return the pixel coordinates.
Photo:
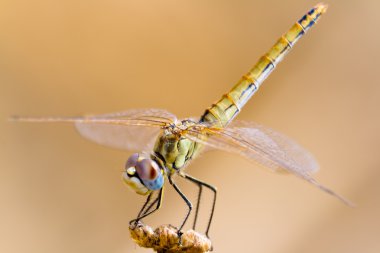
(165, 239)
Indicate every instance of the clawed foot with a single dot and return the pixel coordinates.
(208, 238)
(135, 223)
(179, 234)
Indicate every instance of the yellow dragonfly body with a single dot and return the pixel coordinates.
(169, 143)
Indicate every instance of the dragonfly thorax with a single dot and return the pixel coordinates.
(179, 127)
(174, 148)
(143, 174)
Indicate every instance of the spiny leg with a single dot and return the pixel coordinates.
(212, 188)
(143, 214)
(158, 206)
(151, 205)
(198, 204)
(142, 209)
(188, 204)
(145, 204)
(200, 189)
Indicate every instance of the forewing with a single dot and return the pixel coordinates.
(134, 129)
(139, 133)
(159, 115)
(126, 137)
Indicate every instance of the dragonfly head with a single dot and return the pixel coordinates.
(143, 174)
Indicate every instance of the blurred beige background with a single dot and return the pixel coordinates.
(61, 193)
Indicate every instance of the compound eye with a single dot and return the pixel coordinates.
(147, 169)
(132, 160)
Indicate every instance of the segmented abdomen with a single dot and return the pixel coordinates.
(222, 112)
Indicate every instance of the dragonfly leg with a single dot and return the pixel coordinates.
(145, 204)
(198, 204)
(212, 188)
(151, 205)
(144, 213)
(188, 204)
(200, 190)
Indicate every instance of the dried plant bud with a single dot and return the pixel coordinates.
(165, 239)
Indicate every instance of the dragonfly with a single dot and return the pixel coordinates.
(166, 144)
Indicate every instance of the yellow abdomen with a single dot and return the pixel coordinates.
(222, 112)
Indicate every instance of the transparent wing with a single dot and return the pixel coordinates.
(263, 145)
(258, 143)
(134, 129)
(273, 149)
(136, 137)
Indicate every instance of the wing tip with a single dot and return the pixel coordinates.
(13, 118)
(17, 118)
(344, 200)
